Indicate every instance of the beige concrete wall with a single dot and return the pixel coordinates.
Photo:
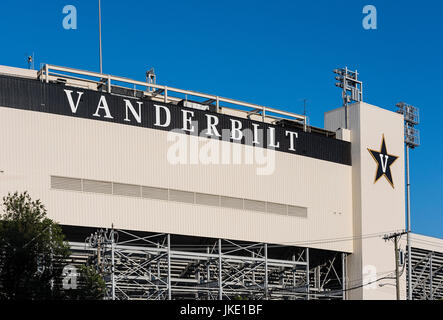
(378, 207)
(37, 145)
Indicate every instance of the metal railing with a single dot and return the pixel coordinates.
(161, 91)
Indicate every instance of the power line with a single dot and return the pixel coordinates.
(295, 243)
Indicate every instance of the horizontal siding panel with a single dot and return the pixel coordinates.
(207, 199)
(298, 211)
(97, 186)
(277, 208)
(127, 190)
(155, 193)
(64, 183)
(255, 205)
(234, 203)
(181, 196)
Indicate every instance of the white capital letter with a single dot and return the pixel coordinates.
(212, 121)
(291, 139)
(255, 140)
(272, 139)
(157, 116)
(102, 104)
(385, 163)
(236, 133)
(71, 101)
(187, 121)
(137, 116)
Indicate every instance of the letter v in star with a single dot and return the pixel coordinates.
(384, 161)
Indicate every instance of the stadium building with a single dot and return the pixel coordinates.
(176, 194)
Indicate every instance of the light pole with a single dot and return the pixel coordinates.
(412, 140)
(352, 88)
(100, 33)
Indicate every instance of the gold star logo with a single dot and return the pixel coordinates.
(384, 161)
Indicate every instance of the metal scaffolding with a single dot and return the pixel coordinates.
(163, 266)
(427, 274)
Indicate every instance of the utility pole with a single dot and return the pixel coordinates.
(396, 237)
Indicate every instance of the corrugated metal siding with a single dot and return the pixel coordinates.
(27, 94)
(100, 151)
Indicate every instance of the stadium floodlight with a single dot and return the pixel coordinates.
(30, 60)
(150, 78)
(352, 88)
(412, 140)
(150, 75)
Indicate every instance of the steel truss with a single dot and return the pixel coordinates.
(427, 274)
(152, 267)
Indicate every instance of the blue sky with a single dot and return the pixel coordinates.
(274, 53)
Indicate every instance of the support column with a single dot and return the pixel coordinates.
(307, 274)
(220, 279)
(294, 268)
(343, 263)
(266, 271)
(431, 294)
(208, 272)
(253, 272)
(169, 267)
(112, 264)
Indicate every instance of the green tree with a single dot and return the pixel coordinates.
(32, 250)
(90, 285)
